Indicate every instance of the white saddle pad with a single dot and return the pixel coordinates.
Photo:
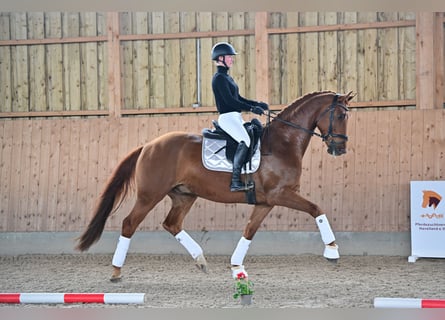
(214, 157)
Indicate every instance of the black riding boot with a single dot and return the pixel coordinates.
(238, 161)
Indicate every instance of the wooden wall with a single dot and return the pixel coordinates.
(52, 171)
(143, 61)
(80, 90)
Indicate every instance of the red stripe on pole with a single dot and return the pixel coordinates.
(431, 303)
(9, 297)
(84, 298)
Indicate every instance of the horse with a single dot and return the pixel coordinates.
(170, 165)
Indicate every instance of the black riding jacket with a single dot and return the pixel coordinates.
(227, 95)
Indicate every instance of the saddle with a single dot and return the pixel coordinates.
(253, 128)
(217, 140)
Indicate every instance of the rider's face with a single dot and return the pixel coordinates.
(229, 60)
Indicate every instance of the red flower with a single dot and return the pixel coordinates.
(241, 275)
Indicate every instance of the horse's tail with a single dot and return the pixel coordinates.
(112, 197)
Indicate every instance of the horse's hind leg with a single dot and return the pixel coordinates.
(129, 225)
(173, 223)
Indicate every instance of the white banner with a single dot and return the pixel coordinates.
(427, 219)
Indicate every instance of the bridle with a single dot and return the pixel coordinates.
(324, 137)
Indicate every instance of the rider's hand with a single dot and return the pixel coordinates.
(257, 110)
(263, 105)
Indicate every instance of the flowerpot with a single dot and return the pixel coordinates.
(246, 299)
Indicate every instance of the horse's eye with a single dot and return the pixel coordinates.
(342, 116)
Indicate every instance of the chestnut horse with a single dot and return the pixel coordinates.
(171, 165)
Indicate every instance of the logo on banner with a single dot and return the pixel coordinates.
(431, 199)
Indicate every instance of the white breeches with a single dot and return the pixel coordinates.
(232, 123)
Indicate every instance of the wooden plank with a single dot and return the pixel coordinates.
(430, 146)
(293, 79)
(6, 164)
(44, 172)
(207, 65)
(37, 67)
(89, 63)
(63, 191)
(404, 178)
(309, 54)
(157, 72)
(275, 61)
(251, 57)
(383, 191)
(16, 172)
(102, 65)
(19, 64)
(173, 62)
(329, 53)
(238, 70)
(262, 57)
(71, 62)
(5, 66)
(71, 221)
(91, 145)
(54, 64)
(55, 145)
(425, 61)
(188, 60)
(141, 63)
(392, 195)
(114, 65)
(348, 54)
(349, 190)
(387, 59)
(407, 58)
(24, 216)
(125, 26)
(360, 217)
(367, 59)
(417, 141)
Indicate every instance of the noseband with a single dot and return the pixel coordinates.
(330, 133)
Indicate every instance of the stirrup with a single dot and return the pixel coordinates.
(241, 187)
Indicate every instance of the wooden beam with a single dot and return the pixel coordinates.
(439, 54)
(114, 63)
(426, 62)
(262, 56)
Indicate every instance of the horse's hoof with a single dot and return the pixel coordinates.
(333, 261)
(201, 263)
(115, 279)
(236, 270)
(331, 252)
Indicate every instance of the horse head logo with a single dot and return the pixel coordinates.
(431, 199)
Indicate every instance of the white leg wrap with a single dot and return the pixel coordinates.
(189, 244)
(121, 251)
(240, 252)
(325, 229)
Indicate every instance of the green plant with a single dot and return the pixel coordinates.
(243, 285)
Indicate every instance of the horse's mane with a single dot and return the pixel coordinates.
(287, 111)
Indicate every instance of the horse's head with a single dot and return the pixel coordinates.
(332, 123)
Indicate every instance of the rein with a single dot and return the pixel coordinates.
(330, 109)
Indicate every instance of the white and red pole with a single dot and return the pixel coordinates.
(52, 298)
(408, 303)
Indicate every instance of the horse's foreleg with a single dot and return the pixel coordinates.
(289, 198)
(327, 236)
(173, 223)
(257, 216)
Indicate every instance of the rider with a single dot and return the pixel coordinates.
(230, 105)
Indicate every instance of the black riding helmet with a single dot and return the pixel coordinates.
(222, 49)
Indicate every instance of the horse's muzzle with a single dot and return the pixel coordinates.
(335, 148)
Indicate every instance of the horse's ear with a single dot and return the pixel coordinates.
(350, 95)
